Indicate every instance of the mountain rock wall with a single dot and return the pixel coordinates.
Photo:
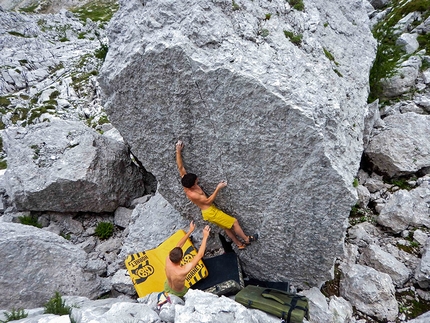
(270, 98)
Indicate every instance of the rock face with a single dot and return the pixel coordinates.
(65, 166)
(282, 122)
(44, 263)
(370, 291)
(402, 146)
(407, 209)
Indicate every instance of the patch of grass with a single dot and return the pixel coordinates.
(14, 315)
(264, 33)
(411, 304)
(355, 182)
(37, 112)
(103, 120)
(425, 65)
(65, 236)
(328, 54)
(297, 4)
(3, 163)
(412, 248)
(101, 52)
(337, 72)
(56, 305)
(30, 9)
(100, 11)
(30, 220)
(424, 41)
(4, 101)
(19, 114)
(358, 215)
(63, 39)
(296, 39)
(81, 35)
(234, 6)
(17, 34)
(55, 68)
(402, 183)
(104, 230)
(267, 16)
(55, 94)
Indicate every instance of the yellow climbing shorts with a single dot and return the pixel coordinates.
(218, 217)
(170, 291)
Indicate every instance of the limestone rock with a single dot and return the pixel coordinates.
(206, 307)
(407, 209)
(404, 79)
(408, 42)
(423, 318)
(341, 309)
(65, 166)
(279, 121)
(422, 273)
(151, 224)
(370, 291)
(373, 256)
(318, 306)
(122, 216)
(402, 147)
(36, 263)
(379, 4)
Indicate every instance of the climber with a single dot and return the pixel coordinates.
(175, 273)
(209, 211)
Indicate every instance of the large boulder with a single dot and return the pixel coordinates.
(369, 291)
(407, 209)
(402, 146)
(65, 166)
(281, 121)
(37, 263)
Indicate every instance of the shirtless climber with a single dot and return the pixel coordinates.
(175, 273)
(210, 212)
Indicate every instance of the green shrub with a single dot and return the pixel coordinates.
(389, 55)
(57, 306)
(15, 314)
(29, 220)
(104, 230)
(296, 39)
(267, 16)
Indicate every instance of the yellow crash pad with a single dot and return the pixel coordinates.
(147, 268)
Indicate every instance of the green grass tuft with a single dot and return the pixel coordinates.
(56, 305)
(29, 220)
(297, 4)
(296, 39)
(104, 230)
(14, 315)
